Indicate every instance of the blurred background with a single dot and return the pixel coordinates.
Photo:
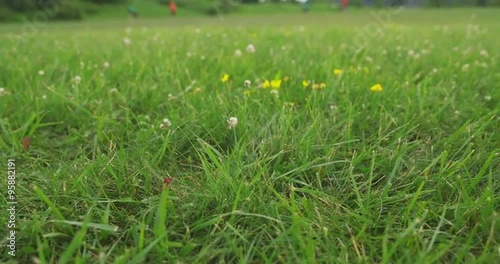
(18, 10)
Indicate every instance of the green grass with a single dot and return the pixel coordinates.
(334, 175)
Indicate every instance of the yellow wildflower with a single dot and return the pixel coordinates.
(305, 83)
(376, 88)
(337, 71)
(246, 92)
(266, 84)
(315, 86)
(225, 78)
(275, 84)
(322, 85)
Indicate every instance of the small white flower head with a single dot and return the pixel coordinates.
(197, 30)
(105, 64)
(44, 97)
(434, 70)
(232, 122)
(77, 79)
(170, 96)
(465, 67)
(237, 53)
(113, 90)
(250, 48)
(274, 92)
(189, 54)
(369, 59)
(487, 98)
(247, 83)
(166, 123)
(126, 41)
(40, 72)
(202, 57)
(2, 91)
(484, 53)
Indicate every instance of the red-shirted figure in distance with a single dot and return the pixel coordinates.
(173, 8)
(344, 4)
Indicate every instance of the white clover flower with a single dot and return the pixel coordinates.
(105, 64)
(274, 92)
(484, 53)
(44, 97)
(166, 123)
(77, 79)
(232, 122)
(113, 90)
(237, 53)
(487, 98)
(3, 91)
(126, 41)
(247, 83)
(250, 48)
(40, 72)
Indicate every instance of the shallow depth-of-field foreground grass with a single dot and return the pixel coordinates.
(387, 152)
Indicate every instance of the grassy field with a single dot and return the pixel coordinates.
(253, 139)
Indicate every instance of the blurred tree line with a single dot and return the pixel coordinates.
(76, 9)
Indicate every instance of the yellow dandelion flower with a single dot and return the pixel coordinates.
(376, 88)
(305, 83)
(322, 85)
(337, 71)
(275, 84)
(315, 86)
(266, 84)
(225, 78)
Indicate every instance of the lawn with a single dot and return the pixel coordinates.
(300, 138)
